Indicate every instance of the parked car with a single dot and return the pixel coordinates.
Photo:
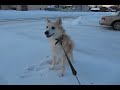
(111, 10)
(103, 9)
(113, 20)
(95, 9)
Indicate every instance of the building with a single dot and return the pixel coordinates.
(44, 7)
(81, 7)
(23, 7)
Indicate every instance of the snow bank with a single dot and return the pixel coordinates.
(13, 14)
(90, 19)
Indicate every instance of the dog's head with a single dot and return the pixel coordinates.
(54, 29)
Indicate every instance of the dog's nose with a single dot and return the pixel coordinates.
(46, 33)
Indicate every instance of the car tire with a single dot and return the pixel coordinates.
(116, 25)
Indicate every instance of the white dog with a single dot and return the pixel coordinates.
(54, 30)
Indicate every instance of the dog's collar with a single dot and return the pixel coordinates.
(59, 39)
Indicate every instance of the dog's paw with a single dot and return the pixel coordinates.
(49, 62)
(61, 75)
(51, 68)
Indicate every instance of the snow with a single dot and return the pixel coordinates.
(95, 9)
(87, 20)
(38, 14)
(2, 81)
(25, 50)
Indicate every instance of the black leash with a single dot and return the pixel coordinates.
(72, 68)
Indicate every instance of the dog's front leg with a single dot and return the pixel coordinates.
(52, 67)
(62, 66)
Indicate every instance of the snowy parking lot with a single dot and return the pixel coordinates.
(25, 51)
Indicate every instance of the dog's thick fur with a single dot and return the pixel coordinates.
(54, 30)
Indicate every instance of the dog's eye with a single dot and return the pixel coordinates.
(53, 27)
(46, 26)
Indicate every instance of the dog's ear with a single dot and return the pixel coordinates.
(48, 20)
(59, 21)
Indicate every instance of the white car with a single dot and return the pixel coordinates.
(113, 20)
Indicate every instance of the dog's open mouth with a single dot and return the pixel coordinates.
(50, 35)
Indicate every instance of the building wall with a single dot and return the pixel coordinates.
(13, 6)
(81, 7)
(85, 7)
(37, 7)
(18, 7)
(5, 7)
(8, 7)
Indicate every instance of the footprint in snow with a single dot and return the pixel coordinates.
(35, 68)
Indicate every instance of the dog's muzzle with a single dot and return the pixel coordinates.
(47, 34)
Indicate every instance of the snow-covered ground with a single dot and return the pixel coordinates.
(25, 51)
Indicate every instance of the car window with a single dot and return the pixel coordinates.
(114, 14)
(118, 13)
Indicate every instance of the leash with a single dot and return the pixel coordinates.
(71, 66)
